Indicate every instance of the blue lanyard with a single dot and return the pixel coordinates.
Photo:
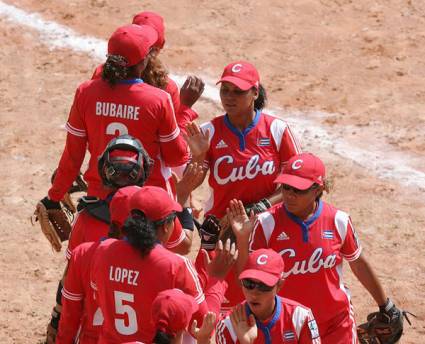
(131, 81)
(242, 133)
(267, 328)
(306, 224)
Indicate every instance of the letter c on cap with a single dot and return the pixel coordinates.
(262, 260)
(237, 68)
(296, 165)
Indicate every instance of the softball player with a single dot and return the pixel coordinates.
(274, 319)
(244, 150)
(156, 75)
(81, 318)
(120, 103)
(128, 274)
(313, 237)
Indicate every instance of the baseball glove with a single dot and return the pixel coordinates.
(54, 223)
(79, 185)
(258, 207)
(208, 232)
(383, 327)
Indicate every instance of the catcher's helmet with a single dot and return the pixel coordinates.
(124, 162)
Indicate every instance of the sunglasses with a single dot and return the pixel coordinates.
(251, 285)
(287, 187)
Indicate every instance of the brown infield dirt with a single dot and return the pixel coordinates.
(361, 61)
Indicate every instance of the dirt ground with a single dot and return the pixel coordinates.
(359, 61)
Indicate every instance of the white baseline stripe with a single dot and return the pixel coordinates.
(378, 158)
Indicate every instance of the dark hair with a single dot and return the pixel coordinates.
(114, 231)
(155, 74)
(140, 232)
(261, 101)
(115, 70)
(162, 338)
(227, 233)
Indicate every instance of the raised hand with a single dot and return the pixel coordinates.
(203, 334)
(245, 327)
(191, 90)
(225, 257)
(193, 176)
(241, 224)
(199, 142)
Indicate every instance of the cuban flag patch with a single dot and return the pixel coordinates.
(288, 336)
(327, 234)
(263, 141)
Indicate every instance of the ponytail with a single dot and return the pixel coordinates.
(162, 338)
(140, 232)
(261, 100)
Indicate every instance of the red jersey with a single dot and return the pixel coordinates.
(248, 160)
(290, 323)
(101, 112)
(87, 228)
(184, 114)
(244, 165)
(312, 252)
(80, 317)
(126, 285)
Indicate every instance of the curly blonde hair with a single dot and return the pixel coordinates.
(155, 74)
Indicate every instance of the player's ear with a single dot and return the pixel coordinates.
(280, 284)
(256, 93)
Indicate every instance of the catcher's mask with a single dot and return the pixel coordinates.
(124, 162)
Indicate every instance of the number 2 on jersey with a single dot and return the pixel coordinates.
(115, 127)
(121, 325)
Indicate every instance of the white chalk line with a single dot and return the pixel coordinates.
(380, 159)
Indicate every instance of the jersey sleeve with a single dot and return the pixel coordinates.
(177, 236)
(263, 229)
(187, 280)
(286, 142)
(350, 244)
(73, 154)
(72, 301)
(224, 332)
(174, 150)
(306, 326)
(172, 89)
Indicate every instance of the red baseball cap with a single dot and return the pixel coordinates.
(119, 207)
(241, 74)
(264, 265)
(172, 310)
(154, 20)
(302, 171)
(133, 42)
(154, 202)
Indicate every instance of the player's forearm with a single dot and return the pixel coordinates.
(243, 253)
(183, 247)
(365, 274)
(70, 321)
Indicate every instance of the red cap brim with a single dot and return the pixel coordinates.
(262, 276)
(242, 84)
(294, 181)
